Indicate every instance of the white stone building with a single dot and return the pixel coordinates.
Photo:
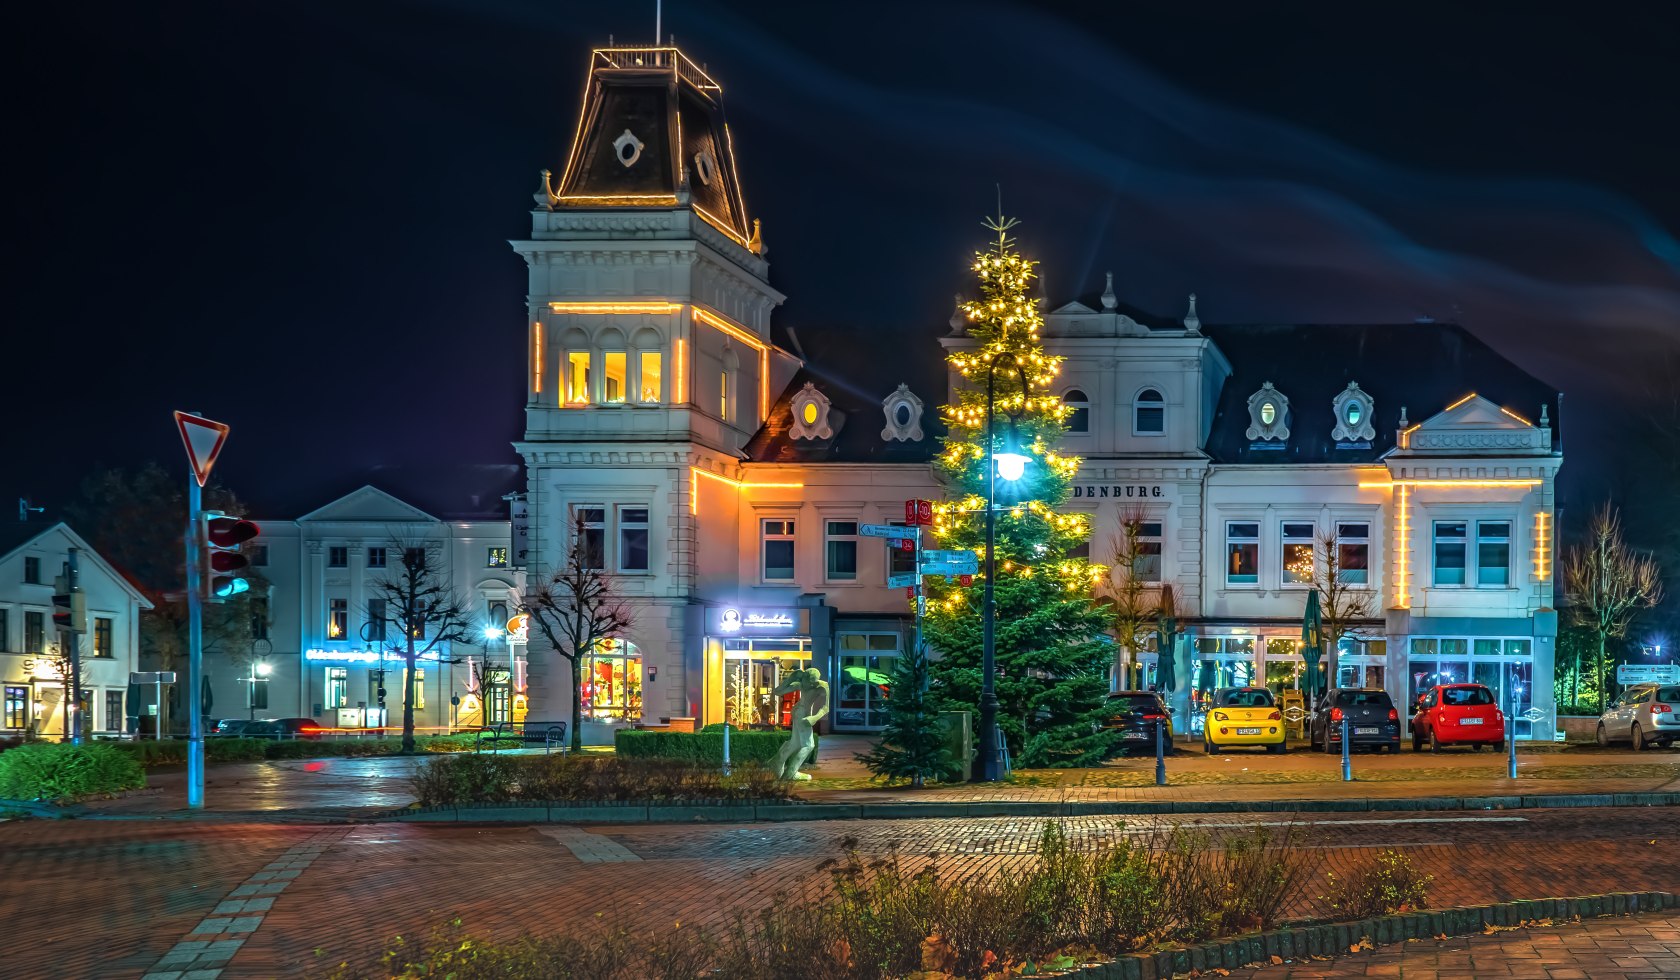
(722, 479)
(32, 556)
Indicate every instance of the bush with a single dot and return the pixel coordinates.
(487, 778)
(699, 748)
(61, 772)
(1388, 884)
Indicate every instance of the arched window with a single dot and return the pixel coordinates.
(615, 367)
(727, 384)
(650, 373)
(576, 381)
(1080, 420)
(1149, 413)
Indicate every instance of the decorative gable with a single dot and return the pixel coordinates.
(811, 410)
(1474, 425)
(904, 416)
(1353, 410)
(368, 504)
(1268, 414)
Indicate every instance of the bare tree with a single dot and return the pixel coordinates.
(1347, 603)
(1127, 593)
(422, 613)
(576, 609)
(1608, 585)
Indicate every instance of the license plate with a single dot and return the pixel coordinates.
(1470, 721)
(1364, 731)
(1248, 731)
(1136, 735)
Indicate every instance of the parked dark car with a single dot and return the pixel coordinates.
(1373, 721)
(284, 728)
(231, 727)
(1135, 714)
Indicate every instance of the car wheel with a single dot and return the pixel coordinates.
(1498, 746)
(1210, 748)
(1603, 736)
(1434, 743)
(1639, 743)
(1417, 741)
(1283, 748)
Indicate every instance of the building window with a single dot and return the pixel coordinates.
(652, 377)
(5, 629)
(1353, 553)
(1146, 560)
(376, 620)
(778, 551)
(259, 555)
(376, 558)
(840, 546)
(1450, 541)
(338, 557)
(1080, 419)
(498, 614)
(1493, 554)
(113, 711)
(419, 686)
(102, 637)
(577, 377)
(34, 632)
(257, 692)
(496, 558)
(31, 571)
(338, 687)
(1297, 553)
(723, 396)
(616, 366)
(1242, 551)
(259, 618)
(901, 560)
(17, 707)
(1149, 413)
(633, 539)
(414, 557)
(338, 618)
(612, 681)
(592, 537)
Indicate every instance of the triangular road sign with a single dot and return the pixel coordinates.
(203, 439)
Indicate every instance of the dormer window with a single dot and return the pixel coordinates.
(904, 416)
(810, 414)
(1080, 419)
(1149, 413)
(1268, 416)
(1353, 411)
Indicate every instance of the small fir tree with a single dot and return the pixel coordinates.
(1052, 661)
(913, 746)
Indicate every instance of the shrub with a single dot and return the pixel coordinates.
(487, 778)
(1387, 884)
(60, 772)
(699, 748)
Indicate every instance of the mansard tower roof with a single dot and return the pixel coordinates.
(652, 134)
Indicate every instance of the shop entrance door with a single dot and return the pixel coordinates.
(752, 670)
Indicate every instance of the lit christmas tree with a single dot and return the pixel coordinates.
(1051, 653)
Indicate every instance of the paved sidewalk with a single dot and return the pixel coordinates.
(1644, 946)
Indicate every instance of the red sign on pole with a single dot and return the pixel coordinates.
(203, 439)
(918, 513)
(966, 580)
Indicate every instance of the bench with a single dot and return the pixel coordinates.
(544, 733)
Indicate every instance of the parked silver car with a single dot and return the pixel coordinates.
(1646, 715)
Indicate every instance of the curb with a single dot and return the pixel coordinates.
(1334, 939)
(746, 812)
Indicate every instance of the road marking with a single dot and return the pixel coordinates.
(215, 940)
(1364, 823)
(590, 848)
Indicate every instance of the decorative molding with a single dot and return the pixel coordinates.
(811, 410)
(902, 402)
(1260, 429)
(628, 140)
(1353, 410)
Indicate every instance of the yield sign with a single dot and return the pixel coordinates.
(203, 439)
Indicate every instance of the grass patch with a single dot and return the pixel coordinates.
(59, 772)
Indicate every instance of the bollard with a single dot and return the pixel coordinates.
(726, 750)
(1347, 753)
(1511, 742)
(1160, 757)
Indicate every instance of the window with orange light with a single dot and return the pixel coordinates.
(652, 377)
(616, 374)
(577, 377)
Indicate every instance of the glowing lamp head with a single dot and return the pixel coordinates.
(1011, 465)
(263, 670)
(492, 632)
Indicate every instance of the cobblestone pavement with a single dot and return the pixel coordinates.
(1644, 946)
(118, 898)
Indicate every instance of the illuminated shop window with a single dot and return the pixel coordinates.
(337, 687)
(612, 682)
(1242, 549)
(577, 377)
(1297, 553)
(652, 377)
(617, 368)
(496, 558)
(338, 618)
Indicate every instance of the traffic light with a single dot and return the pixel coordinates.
(222, 537)
(69, 606)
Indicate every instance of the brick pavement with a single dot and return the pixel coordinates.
(1643, 946)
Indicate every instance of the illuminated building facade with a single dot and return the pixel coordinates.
(722, 481)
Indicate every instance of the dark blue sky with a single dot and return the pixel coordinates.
(294, 218)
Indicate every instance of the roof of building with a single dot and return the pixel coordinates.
(450, 492)
(14, 535)
(1422, 367)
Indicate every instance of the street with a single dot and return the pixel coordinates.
(128, 898)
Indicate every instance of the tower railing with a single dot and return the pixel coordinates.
(665, 58)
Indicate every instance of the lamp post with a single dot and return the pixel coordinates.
(1011, 466)
(491, 635)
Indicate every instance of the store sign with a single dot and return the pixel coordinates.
(1120, 490)
(735, 621)
(519, 513)
(1648, 674)
(361, 656)
(518, 628)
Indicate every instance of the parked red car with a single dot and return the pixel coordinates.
(1458, 714)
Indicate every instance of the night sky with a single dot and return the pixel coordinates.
(294, 217)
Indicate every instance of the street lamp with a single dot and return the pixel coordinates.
(1011, 465)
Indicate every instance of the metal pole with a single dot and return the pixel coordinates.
(1347, 757)
(1160, 756)
(157, 717)
(989, 764)
(726, 748)
(73, 580)
(1511, 738)
(195, 651)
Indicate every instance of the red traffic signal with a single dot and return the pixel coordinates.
(223, 537)
(228, 532)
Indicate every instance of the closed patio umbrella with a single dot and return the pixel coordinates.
(1312, 644)
(1166, 645)
(132, 708)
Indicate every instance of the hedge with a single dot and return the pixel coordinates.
(61, 772)
(152, 754)
(584, 777)
(703, 748)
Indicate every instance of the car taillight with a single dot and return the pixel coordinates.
(1220, 716)
(1153, 717)
(1660, 709)
(1393, 714)
(311, 730)
(1275, 716)
(1335, 714)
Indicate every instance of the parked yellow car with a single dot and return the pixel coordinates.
(1243, 716)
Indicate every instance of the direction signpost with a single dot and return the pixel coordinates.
(203, 439)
